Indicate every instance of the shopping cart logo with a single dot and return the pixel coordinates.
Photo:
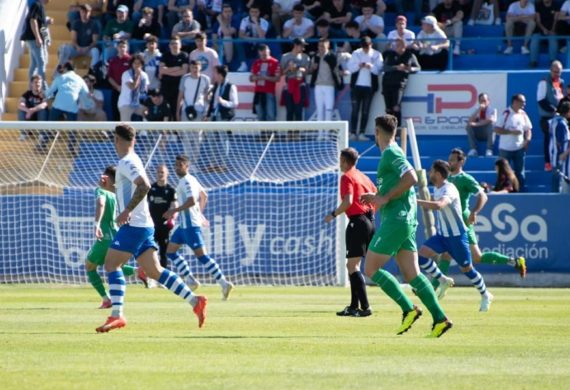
(71, 234)
(446, 97)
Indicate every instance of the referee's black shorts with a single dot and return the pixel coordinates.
(359, 232)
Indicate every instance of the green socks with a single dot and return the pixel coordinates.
(443, 266)
(97, 283)
(426, 293)
(128, 270)
(388, 283)
(495, 258)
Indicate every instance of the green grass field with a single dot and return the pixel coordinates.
(280, 338)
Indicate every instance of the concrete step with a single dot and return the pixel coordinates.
(11, 104)
(10, 116)
(59, 5)
(25, 60)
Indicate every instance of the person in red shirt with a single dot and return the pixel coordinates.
(117, 65)
(265, 72)
(359, 231)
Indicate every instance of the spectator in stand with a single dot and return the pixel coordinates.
(282, 10)
(398, 65)
(174, 12)
(325, 80)
(146, 26)
(353, 42)
(226, 28)
(371, 25)
(313, 9)
(118, 29)
(85, 33)
(546, 12)
(480, 126)
(418, 11)
(449, 17)
(476, 9)
(298, 26)
(157, 5)
(365, 66)
(97, 7)
(156, 108)
(111, 9)
(152, 57)
(265, 73)
(173, 65)
(563, 24)
(35, 34)
(507, 181)
(117, 65)
(433, 45)
(208, 11)
(192, 94)
(33, 104)
(91, 104)
(134, 86)
(186, 30)
(295, 67)
(401, 32)
(549, 92)
(207, 57)
(560, 149)
(515, 130)
(252, 28)
(338, 14)
(521, 14)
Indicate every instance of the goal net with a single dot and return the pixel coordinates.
(269, 187)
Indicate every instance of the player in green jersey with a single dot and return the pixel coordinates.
(105, 229)
(468, 186)
(396, 237)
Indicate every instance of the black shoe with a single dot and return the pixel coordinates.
(363, 313)
(347, 312)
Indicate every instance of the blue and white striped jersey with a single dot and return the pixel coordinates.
(129, 168)
(190, 187)
(449, 219)
(559, 138)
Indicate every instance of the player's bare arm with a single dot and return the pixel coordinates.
(142, 188)
(434, 204)
(481, 200)
(185, 206)
(342, 207)
(99, 211)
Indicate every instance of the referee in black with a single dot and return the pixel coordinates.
(359, 231)
(161, 197)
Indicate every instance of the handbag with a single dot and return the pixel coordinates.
(190, 111)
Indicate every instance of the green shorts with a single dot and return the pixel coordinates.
(391, 239)
(98, 252)
(471, 236)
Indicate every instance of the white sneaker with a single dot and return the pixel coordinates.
(151, 283)
(486, 302)
(353, 137)
(508, 50)
(226, 290)
(498, 21)
(471, 22)
(444, 286)
(456, 51)
(362, 137)
(489, 153)
(524, 50)
(242, 67)
(472, 153)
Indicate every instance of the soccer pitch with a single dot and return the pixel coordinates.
(280, 338)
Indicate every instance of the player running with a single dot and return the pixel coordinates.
(396, 199)
(135, 235)
(451, 236)
(192, 199)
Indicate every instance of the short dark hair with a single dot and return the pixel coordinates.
(227, 5)
(151, 38)
(442, 167)
(125, 131)
(137, 56)
(182, 157)
(323, 40)
(35, 77)
(481, 95)
(110, 171)
(350, 155)
(352, 24)
(564, 108)
(262, 47)
(459, 153)
(123, 42)
(222, 70)
(387, 123)
(517, 96)
(200, 35)
(299, 7)
(323, 23)
(195, 62)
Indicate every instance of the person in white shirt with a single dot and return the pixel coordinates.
(134, 85)
(152, 56)
(252, 27)
(371, 25)
(515, 130)
(365, 66)
(192, 92)
(207, 56)
(281, 11)
(480, 126)
(135, 237)
(522, 13)
(433, 45)
(91, 104)
(402, 32)
(451, 235)
(298, 26)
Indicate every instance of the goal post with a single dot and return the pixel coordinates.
(270, 184)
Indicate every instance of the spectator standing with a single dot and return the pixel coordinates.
(295, 66)
(186, 30)
(398, 65)
(401, 32)
(365, 65)
(546, 12)
(265, 73)
(36, 36)
(433, 45)
(559, 148)
(173, 65)
(91, 104)
(134, 86)
(548, 95)
(325, 80)
(85, 33)
(206, 56)
(515, 130)
(117, 65)
(156, 108)
(449, 17)
(152, 57)
(522, 14)
(116, 30)
(480, 126)
(252, 28)
(192, 94)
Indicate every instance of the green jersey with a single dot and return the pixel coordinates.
(393, 165)
(108, 226)
(467, 186)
